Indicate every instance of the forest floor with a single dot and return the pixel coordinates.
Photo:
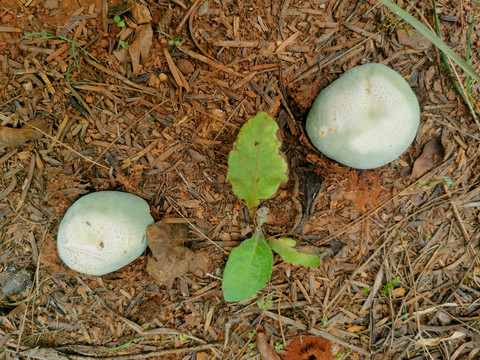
(157, 116)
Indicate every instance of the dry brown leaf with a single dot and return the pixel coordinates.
(134, 51)
(16, 310)
(139, 50)
(202, 356)
(355, 328)
(437, 340)
(185, 66)
(181, 3)
(121, 55)
(266, 350)
(202, 263)
(399, 292)
(141, 14)
(43, 353)
(432, 155)
(170, 258)
(413, 39)
(177, 74)
(17, 137)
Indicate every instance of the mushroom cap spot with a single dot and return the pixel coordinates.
(103, 231)
(374, 113)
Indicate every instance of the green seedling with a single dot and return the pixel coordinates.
(389, 24)
(123, 43)
(118, 20)
(262, 304)
(256, 170)
(173, 41)
(251, 346)
(278, 346)
(389, 286)
(325, 321)
(366, 290)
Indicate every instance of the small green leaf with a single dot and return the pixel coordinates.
(284, 247)
(389, 286)
(448, 181)
(255, 168)
(121, 24)
(262, 304)
(123, 43)
(248, 268)
(117, 18)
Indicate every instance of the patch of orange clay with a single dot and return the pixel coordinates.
(309, 348)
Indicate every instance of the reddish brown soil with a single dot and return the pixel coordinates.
(309, 348)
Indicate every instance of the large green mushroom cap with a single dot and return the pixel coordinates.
(366, 118)
(103, 231)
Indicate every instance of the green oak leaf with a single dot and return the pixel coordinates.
(248, 268)
(255, 167)
(284, 247)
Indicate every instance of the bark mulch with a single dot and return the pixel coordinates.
(153, 108)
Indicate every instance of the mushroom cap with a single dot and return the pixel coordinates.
(103, 231)
(366, 118)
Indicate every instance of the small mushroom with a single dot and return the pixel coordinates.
(103, 231)
(366, 118)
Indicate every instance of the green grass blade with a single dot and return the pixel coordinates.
(77, 64)
(77, 45)
(46, 35)
(469, 40)
(432, 37)
(444, 57)
(69, 84)
(123, 346)
(74, 44)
